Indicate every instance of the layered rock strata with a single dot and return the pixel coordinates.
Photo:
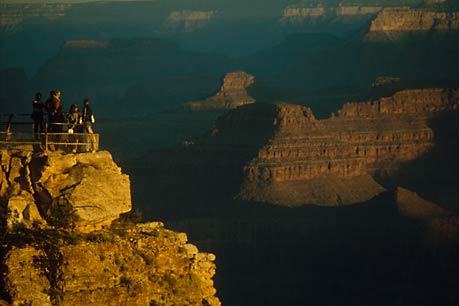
(405, 19)
(406, 101)
(189, 21)
(291, 158)
(232, 94)
(298, 15)
(67, 241)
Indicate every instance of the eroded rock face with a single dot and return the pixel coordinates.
(67, 190)
(289, 157)
(60, 246)
(143, 265)
(366, 139)
(296, 15)
(405, 19)
(406, 101)
(232, 94)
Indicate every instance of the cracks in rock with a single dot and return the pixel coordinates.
(42, 198)
(50, 263)
(89, 206)
(69, 188)
(24, 180)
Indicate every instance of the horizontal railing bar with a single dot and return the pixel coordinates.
(19, 143)
(49, 123)
(68, 143)
(16, 123)
(49, 134)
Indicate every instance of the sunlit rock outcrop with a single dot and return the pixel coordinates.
(296, 15)
(66, 239)
(281, 154)
(406, 101)
(405, 19)
(70, 190)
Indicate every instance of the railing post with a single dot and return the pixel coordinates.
(46, 136)
(8, 124)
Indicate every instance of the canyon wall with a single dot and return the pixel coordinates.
(371, 138)
(405, 19)
(406, 101)
(68, 238)
(295, 15)
(286, 156)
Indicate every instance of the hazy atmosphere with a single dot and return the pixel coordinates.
(307, 147)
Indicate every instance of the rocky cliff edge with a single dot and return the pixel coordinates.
(67, 240)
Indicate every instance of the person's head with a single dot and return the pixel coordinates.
(86, 102)
(73, 108)
(38, 96)
(51, 93)
(57, 94)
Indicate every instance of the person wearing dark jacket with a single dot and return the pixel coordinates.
(88, 120)
(56, 118)
(38, 113)
(55, 113)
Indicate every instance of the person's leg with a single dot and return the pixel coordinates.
(92, 138)
(35, 128)
(87, 129)
(36, 136)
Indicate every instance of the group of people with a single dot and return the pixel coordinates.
(75, 121)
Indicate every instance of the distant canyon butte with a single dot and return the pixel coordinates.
(162, 54)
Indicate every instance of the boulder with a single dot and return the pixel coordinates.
(84, 191)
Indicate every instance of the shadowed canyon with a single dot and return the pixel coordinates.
(277, 152)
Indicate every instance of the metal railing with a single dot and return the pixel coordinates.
(20, 133)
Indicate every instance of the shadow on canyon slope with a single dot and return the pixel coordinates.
(435, 176)
(206, 172)
(364, 254)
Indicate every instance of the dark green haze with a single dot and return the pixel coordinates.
(323, 62)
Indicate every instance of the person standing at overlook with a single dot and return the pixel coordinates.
(88, 120)
(38, 113)
(55, 112)
(56, 118)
